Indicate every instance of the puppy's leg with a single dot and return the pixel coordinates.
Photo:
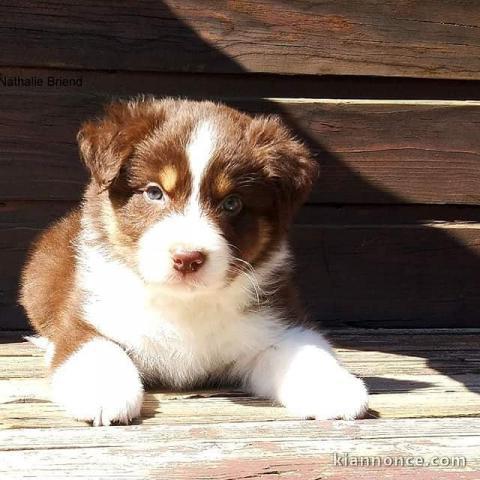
(302, 373)
(97, 382)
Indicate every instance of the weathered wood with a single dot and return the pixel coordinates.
(380, 429)
(225, 434)
(427, 380)
(351, 269)
(305, 449)
(421, 39)
(387, 152)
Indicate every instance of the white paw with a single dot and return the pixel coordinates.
(337, 396)
(302, 373)
(99, 383)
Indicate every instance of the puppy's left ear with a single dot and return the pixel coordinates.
(105, 144)
(285, 160)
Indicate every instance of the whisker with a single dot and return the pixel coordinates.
(233, 246)
(247, 270)
(250, 275)
(256, 288)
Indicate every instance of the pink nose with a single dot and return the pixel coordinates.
(187, 261)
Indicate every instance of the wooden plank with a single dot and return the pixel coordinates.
(404, 275)
(388, 152)
(351, 270)
(402, 340)
(381, 429)
(436, 39)
(257, 450)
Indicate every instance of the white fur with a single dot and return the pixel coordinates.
(99, 383)
(302, 373)
(190, 229)
(172, 339)
(200, 149)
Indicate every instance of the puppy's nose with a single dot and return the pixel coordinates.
(187, 261)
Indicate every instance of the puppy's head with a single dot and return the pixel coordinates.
(192, 194)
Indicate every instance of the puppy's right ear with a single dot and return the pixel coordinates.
(107, 143)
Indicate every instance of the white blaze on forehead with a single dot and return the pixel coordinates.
(175, 230)
(200, 149)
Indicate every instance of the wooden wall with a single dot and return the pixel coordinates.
(385, 93)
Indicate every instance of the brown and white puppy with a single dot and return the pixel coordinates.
(175, 270)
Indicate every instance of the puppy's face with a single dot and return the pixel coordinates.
(192, 194)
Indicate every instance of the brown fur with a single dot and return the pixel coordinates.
(48, 291)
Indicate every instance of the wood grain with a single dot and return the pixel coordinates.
(432, 38)
(370, 152)
(299, 449)
(225, 434)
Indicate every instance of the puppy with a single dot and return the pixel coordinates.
(175, 270)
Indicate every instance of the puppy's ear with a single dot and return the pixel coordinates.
(286, 161)
(106, 144)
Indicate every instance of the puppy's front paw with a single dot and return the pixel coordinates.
(342, 396)
(99, 383)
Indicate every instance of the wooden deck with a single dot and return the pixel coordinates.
(425, 407)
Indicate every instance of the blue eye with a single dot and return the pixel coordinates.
(232, 205)
(154, 193)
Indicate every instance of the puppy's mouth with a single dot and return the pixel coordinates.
(189, 281)
(192, 283)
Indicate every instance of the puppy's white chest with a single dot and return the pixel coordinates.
(172, 341)
(179, 346)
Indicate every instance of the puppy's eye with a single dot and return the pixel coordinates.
(232, 205)
(153, 193)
